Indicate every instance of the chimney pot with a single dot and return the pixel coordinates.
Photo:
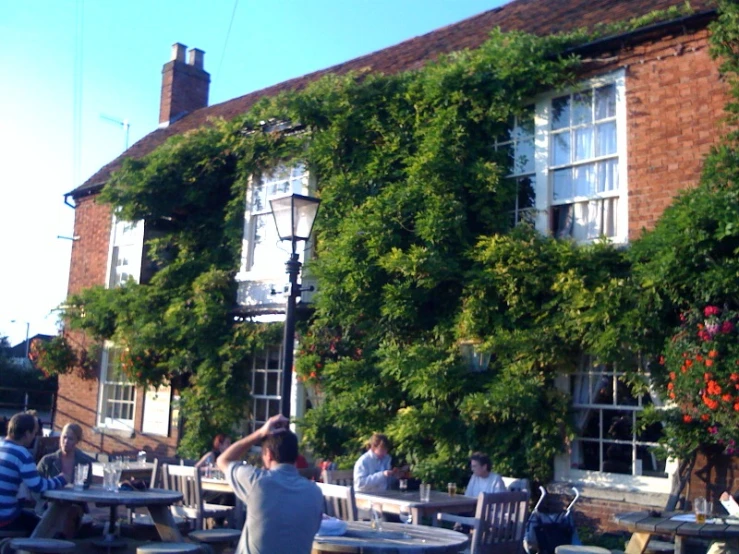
(196, 58)
(178, 52)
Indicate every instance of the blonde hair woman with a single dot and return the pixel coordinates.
(69, 455)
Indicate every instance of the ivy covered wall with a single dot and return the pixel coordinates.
(414, 254)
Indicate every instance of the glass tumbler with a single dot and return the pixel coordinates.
(700, 507)
(425, 492)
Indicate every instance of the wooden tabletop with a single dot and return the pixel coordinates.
(652, 522)
(101, 497)
(394, 538)
(437, 499)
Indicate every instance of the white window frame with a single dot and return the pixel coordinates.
(128, 238)
(107, 387)
(544, 156)
(565, 465)
(269, 400)
(272, 187)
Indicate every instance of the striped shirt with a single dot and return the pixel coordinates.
(16, 466)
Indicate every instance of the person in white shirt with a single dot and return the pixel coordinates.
(373, 470)
(483, 480)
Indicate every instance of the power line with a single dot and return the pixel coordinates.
(228, 34)
(77, 94)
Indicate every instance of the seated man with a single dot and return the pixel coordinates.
(17, 466)
(283, 510)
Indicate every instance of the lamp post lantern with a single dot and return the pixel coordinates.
(294, 217)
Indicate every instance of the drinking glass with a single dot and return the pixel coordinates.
(404, 514)
(451, 488)
(80, 476)
(425, 491)
(376, 514)
(403, 484)
(109, 481)
(700, 507)
(142, 458)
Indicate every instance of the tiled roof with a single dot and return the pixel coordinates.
(539, 17)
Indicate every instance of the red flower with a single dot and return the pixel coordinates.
(708, 311)
(709, 362)
(672, 375)
(727, 327)
(713, 354)
(687, 418)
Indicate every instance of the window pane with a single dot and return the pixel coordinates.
(562, 179)
(274, 358)
(274, 408)
(259, 382)
(584, 180)
(582, 108)
(273, 383)
(605, 102)
(258, 199)
(583, 144)
(524, 162)
(561, 148)
(526, 192)
(260, 409)
(561, 112)
(606, 138)
(507, 156)
(266, 252)
(607, 176)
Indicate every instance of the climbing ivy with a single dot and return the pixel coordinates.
(414, 254)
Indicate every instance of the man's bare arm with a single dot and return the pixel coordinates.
(238, 450)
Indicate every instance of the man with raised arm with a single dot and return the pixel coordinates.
(17, 466)
(283, 509)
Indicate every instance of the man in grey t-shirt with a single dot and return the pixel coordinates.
(283, 509)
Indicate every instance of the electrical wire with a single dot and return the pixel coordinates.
(77, 93)
(225, 42)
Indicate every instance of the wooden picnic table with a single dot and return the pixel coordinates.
(392, 500)
(395, 538)
(677, 524)
(157, 501)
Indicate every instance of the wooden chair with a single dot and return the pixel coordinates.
(44, 446)
(499, 523)
(186, 479)
(343, 477)
(339, 501)
(42, 546)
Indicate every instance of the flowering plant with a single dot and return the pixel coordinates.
(702, 359)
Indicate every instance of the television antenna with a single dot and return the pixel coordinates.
(124, 123)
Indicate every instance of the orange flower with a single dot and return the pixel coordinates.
(672, 375)
(687, 418)
(688, 362)
(672, 395)
(709, 363)
(704, 417)
(699, 358)
(707, 376)
(684, 369)
(736, 406)
(734, 377)
(726, 398)
(670, 386)
(713, 354)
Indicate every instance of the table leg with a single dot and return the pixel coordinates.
(679, 545)
(165, 524)
(51, 522)
(416, 515)
(638, 543)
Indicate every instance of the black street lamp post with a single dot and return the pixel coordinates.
(294, 216)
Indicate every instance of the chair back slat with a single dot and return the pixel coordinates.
(186, 480)
(344, 477)
(500, 523)
(339, 501)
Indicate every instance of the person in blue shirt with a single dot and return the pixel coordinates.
(373, 470)
(17, 466)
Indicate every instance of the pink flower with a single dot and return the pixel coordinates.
(708, 311)
(713, 430)
(712, 328)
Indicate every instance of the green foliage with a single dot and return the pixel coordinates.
(414, 254)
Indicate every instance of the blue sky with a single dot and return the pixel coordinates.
(122, 47)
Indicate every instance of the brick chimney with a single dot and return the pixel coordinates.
(184, 85)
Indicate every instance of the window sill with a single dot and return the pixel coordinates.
(123, 433)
